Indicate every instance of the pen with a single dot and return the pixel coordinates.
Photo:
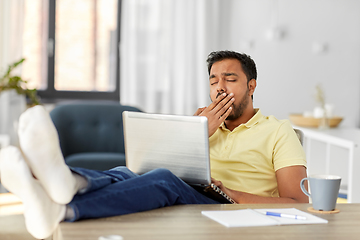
(275, 214)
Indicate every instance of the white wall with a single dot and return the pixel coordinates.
(288, 68)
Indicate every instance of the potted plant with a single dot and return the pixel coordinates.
(10, 82)
(13, 93)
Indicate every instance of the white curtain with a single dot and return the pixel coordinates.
(164, 45)
(11, 38)
(11, 25)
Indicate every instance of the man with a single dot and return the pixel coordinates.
(249, 152)
(254, 159)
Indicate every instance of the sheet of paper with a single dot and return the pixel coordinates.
(255, 217)
(240, 218)
(310, 219)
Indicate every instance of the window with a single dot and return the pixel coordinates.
(71, 48)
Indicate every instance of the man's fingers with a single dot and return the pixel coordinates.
(217, 101)
(199, 111)
(216, 182)
(217, 111)
(224, 105)
(226, 108)
(226, 114)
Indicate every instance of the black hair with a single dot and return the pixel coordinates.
(248, 65)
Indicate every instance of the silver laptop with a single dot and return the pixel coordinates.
(177, 143)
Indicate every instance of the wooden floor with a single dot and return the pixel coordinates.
(12, 224)
(10, 204)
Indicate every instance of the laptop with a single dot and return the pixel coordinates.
(177, 143)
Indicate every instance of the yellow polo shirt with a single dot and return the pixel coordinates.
(246, 158)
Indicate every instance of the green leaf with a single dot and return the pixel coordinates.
(7, 82)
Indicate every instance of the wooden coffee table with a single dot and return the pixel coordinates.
(187, 222)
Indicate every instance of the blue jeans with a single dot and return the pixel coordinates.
(119, 191)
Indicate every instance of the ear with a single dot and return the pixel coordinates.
(252, 86)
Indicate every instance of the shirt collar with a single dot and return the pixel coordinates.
(255, 119)
(252, 122)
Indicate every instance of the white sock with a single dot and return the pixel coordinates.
(42, 215)
(39, 142)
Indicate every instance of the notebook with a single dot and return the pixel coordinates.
(177, 143)
(256, 217)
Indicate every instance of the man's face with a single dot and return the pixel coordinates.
(227, 76)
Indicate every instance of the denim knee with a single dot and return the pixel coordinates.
(162, 174)
(166, 173)
(121, 173)
(118, 168)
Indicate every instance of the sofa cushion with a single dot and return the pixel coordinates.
(96, 160)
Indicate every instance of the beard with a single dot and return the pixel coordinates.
(238, 110)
